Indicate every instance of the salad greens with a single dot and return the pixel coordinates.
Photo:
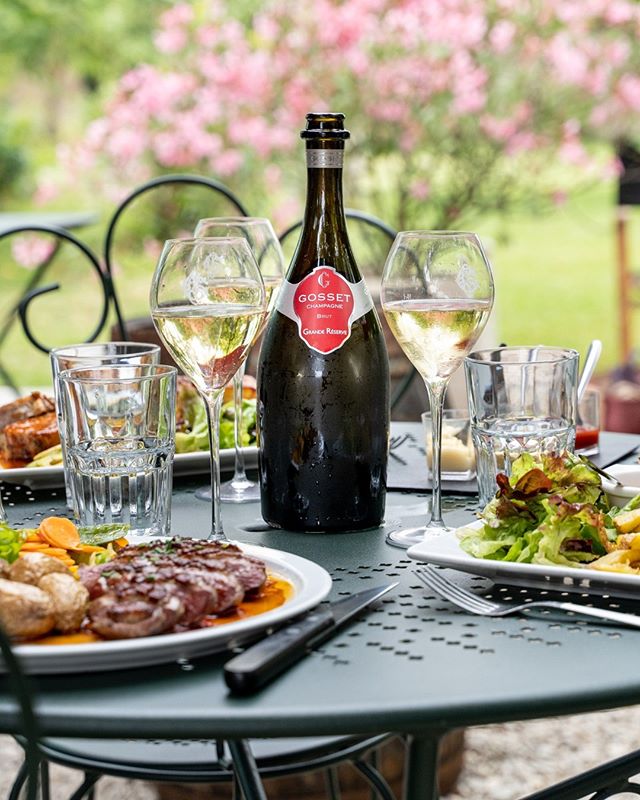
(193, 433)
(551, 510)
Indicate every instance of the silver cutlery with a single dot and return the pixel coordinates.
(436, 581)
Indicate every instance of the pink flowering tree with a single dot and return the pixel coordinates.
(456, 107)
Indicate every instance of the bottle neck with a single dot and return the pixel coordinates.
(324, 210)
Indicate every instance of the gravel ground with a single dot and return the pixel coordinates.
(502, 762)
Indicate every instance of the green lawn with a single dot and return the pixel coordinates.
(556, 283)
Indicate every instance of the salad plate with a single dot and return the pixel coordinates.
(311, 584)
(183, 464)
(445, 551)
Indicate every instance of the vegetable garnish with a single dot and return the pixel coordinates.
(60, 538)
(59, 532)
(10, 542)
(551, 510)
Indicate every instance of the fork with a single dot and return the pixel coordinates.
(435, 580)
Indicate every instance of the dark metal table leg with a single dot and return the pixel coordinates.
(244, 765)
(421, 768)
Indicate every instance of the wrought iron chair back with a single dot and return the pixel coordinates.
(165, 180)
(33, 289)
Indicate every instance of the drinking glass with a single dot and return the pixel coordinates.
(120, 423)
(93, 354)
(521, 400)
(588, 423)
(266, 249)
(208, 303)
(437, 293)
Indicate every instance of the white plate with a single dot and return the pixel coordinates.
(445, 551)
(183, 464)
(311, 583)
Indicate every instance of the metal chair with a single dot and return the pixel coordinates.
(218, 189)
(33, 288)
(243, 763)
(22, 690)
(371, 239)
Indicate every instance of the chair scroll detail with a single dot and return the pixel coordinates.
(154, 183)
(33, 291)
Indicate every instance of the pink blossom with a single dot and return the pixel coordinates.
(46, 191)
(423, 82)
(170, 40)
(227, 163)
(501, 130)
(420, 189)
(559, 197)
(178, 15)
(31, 250)
(618, 12)
(502, 35)
(628, 91)
(152, 248)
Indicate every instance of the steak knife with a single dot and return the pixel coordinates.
(257, 665)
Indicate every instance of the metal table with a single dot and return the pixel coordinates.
(413, 665)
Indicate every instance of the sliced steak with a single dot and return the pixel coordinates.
(133, 615)
(138, 583)
(202, 554)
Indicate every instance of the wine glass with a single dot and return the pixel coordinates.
(437, 293)
(266, 249)
(208, 303)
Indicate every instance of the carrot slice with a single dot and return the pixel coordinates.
(59, 532)
(58, 552)
(32, 547)
(33, 537)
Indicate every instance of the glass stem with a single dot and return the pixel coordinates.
(239, 474)
(213, 404)
(436, 402)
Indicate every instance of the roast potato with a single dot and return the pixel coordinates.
(31, 567)
(25, 611)
(69, 597)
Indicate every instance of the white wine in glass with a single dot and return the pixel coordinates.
(437, 294)
(208, 303)
(266, 249)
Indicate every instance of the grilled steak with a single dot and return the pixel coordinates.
(160, 586)
(32, 405)
(22, 440)
(202, 554)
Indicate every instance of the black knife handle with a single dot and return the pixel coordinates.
(257, 665)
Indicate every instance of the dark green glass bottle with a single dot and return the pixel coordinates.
(323, 376)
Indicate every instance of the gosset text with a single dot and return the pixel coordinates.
(324, 297)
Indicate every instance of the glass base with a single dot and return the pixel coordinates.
(203, 493)
(407, 537)
(240, 491)
(248, 493)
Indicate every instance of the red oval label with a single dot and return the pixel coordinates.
(324, 303)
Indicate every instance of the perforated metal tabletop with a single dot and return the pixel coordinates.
(414, 664)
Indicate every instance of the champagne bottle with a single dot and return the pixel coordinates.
(323, 375)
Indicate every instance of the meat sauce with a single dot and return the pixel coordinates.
(275, 592)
